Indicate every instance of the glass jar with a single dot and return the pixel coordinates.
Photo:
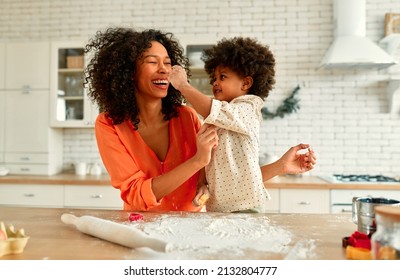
(385, 242)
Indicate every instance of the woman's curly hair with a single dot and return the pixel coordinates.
(246, 57)
(109, 74)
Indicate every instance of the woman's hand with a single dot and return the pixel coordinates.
(207, 139)
(298, 159)
(178, 77)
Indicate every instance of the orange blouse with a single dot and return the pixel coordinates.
(131, 164)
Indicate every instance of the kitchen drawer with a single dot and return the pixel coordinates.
(27, 157)
(92, 197)
(304, 201)
(29, 169)
(31, 195)
(273, 204)
(346, 196)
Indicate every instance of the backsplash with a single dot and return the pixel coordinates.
(344, 114)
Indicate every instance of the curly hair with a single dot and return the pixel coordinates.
(109, 74)
(246, 57)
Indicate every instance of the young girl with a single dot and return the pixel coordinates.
(242, 73)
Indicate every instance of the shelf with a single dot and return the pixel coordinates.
(70, 70)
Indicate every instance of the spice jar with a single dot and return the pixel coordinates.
(385, 242)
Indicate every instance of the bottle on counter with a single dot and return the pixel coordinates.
(385, 242)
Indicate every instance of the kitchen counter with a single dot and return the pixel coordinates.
(53, 240)
(58, 179)
(285, 182)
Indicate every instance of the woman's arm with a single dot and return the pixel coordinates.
(292, 162)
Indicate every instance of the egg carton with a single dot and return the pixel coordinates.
(12, 241)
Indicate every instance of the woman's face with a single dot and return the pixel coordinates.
(228, 85)
(152, 72)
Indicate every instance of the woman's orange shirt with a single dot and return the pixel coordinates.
(131, 164)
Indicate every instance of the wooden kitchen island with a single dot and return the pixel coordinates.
(50, 239)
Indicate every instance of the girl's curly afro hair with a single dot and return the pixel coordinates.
(109, 74)
(246, 57)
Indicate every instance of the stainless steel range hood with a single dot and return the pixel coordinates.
(351, 48)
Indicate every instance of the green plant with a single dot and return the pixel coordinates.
(290, 105)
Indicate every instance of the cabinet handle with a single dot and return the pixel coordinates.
(25, 169)
(29, 194)
(25, 158)
(97, 196)
(346, 211)
(26, 89)
(304, 203)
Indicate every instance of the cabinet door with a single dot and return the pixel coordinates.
(28, 65)
(27, 122)
(31, 195)
(70, 106)
(2, 65)
(105, 197)
(304, 201)
(2, 129)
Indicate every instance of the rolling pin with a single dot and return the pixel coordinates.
(114, 232)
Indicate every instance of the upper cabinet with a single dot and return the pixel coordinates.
(22, 61)
(70, 106)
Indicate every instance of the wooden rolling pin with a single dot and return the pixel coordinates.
(114, 232)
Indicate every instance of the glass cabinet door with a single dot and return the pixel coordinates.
(70, 108)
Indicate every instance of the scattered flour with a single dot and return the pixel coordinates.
(205, 237)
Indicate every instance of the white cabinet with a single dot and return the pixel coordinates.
(27, 65)
(341, 200)
(273, 204)
(31, 195)
(105, 197)
(304, 201)
(30, 145)
(2, 98)
(70, 106)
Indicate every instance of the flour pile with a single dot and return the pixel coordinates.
(199, 237)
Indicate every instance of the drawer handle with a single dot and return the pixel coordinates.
(29, 194)
(25, 169)
(304, 203)
(97, 196)
(346, 211)
(25, 158)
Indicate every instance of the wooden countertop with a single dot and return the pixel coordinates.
(58, 179)
(53, 240)
(286, 182)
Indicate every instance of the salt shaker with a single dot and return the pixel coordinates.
(385, 242)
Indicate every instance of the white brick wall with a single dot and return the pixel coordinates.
(343, 112)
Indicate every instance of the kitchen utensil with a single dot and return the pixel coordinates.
(4, 171)
(114, 232)
(363, 211)
(81, 168)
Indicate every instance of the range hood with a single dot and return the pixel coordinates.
(351, 48)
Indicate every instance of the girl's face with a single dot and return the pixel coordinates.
(228, 85)
(152, 72)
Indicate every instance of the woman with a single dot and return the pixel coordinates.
(153, 147)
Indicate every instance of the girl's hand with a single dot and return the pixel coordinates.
(202, 196)
(178, 77)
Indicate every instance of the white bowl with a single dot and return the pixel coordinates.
(4, 171)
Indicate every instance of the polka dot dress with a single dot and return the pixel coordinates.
(233, 175)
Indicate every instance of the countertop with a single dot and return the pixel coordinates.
(287, 182)
(312, 236)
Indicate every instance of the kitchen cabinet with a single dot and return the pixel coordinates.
(70, 106)
(193, 47)
(27, 65)
(105, 197)
(2, 98)
(31, 195)
(341, 200)
(30, 145)
(273, 204)
(304, 201)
